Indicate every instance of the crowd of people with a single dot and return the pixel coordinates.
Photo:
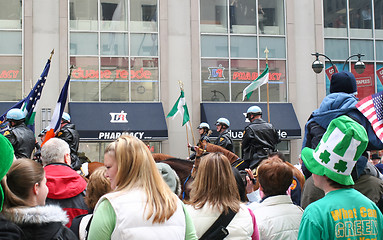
(337, 192)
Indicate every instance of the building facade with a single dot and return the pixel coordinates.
(129, 57)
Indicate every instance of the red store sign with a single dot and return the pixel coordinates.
(11, 74)
(119, 73)
(254, 75)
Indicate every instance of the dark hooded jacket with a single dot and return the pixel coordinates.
(41, 222)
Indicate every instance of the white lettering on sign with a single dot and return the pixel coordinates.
(364, 82)
(115, 135)
(282, 134)
(239, 134)
(236, 134)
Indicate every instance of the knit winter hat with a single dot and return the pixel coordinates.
(343, 82)
(6, 159)
(169, 176)
(338, 151)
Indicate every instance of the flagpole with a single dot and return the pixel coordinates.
(52, 52)
(187, 138)
(191, 130)
(267, 87)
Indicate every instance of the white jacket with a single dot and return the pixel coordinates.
(240, 227)
(277, 218)
(131, 222)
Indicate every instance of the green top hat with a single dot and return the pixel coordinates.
(6, 159)
(340, 147)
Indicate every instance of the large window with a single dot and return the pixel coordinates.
(234, 36)
(114, 47)
(10, 50)
(352, 27)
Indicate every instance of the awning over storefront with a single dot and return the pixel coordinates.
(108, 121)
(282, 117)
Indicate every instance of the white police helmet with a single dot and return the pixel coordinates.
(204, 125)
(66, 117)
(254, 110)
(223, 121)
(15, 114)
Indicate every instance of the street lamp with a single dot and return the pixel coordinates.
(359, 65)
(317, 65)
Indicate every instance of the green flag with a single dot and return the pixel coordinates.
(261, 79)
(181, 108)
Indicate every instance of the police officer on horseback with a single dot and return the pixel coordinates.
(204, 132)
(224, 140)
(259, 139)
(21, 137)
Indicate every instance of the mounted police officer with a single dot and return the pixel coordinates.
(69, 134)
(259, 139)
(204, 132)
(21, 137)
(224, 140)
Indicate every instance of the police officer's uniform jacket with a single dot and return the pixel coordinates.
(224, 140)
(204, 137)
(69, 134)
(22, 139)
(259, 138)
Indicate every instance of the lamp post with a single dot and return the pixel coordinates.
(317, 65)
(359, 65)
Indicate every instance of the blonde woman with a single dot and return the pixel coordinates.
(215, 191)
(141, 205)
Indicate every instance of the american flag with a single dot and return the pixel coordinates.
(33, 97)
(372, 108)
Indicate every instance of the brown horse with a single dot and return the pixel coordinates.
(183, 169)
(209, 147)
(187, 169)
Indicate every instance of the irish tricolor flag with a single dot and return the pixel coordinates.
(54, 125)
(261, 79)
(180, 107)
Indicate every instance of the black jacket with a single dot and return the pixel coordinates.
(259, 138)
(22, 139)
(41, 222)
(224, 140)
(204, 137)
(69, 134)
(9, 230)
